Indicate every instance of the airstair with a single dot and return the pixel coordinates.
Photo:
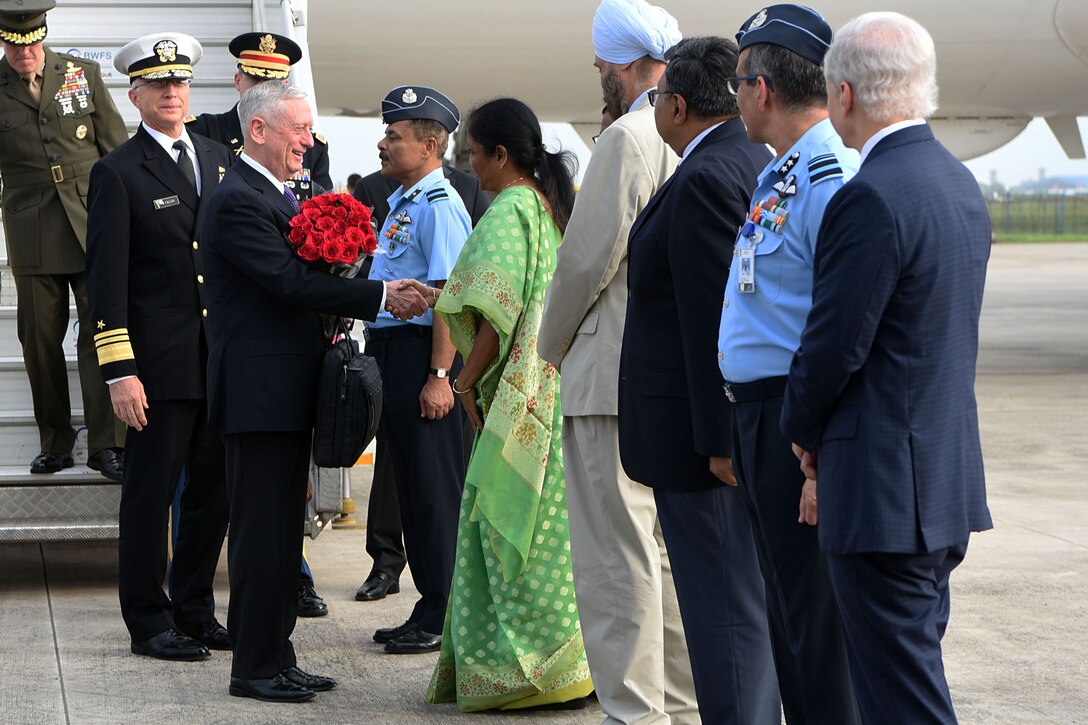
(79, 503)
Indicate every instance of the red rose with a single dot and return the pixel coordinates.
(350, 254)
(338, 212)
(331, 250)
(340, 228)
(311, 211)
(316, 238)
(297, 236)
(323, 224)
(298, 220)
(354, 236)
(309, 252)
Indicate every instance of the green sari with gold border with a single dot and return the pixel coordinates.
(511, 637)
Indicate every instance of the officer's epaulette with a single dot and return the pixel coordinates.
(437, 194)
(823, 167)
(320, 138)
(112, 345)
(188, 119)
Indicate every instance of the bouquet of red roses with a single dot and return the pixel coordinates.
(333, 229)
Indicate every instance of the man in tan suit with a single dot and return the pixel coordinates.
(56, 120)
(630, 620)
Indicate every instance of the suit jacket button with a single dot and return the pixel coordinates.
(52, 158)
(200, 279)
(47, 139)
(43, 121)
(204, 312)
(195, 245)
(721, 355)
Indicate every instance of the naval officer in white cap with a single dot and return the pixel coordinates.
(146, 287)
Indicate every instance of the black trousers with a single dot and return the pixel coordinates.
(42, 319)
(428, 465)
(384, 542)
(722, 606)
(266, 477)
(176, 436)
(383, 529)
(895, 610)
(806, 633)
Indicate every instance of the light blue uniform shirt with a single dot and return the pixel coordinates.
(761, 330)
(421, 238)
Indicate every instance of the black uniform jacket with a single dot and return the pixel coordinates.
(226, 128)
(144, 275)
(264, 328)
(673, 413)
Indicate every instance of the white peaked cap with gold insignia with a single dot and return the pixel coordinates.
(159, 55)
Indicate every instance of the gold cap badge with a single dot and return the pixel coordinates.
(167, 50)
(268, 44)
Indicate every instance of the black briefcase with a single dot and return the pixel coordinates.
(349, 403)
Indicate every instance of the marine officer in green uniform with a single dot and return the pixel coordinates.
(56, 120)
(266, 57)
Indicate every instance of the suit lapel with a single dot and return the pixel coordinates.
(273, 197)
(163, 168)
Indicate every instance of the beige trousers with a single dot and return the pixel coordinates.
(626, 600)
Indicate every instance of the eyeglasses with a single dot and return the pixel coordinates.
(594, 138)
(160, 84)
(653, 93)
(733, 84)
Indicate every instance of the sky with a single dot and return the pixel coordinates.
(353, 140)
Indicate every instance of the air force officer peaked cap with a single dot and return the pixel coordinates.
(793, 27)
(159, 55)
(411, 103)
(265, 56)
(22, 22)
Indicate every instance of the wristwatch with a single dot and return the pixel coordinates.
(439, 373)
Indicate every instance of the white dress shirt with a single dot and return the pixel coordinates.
(885, 132)
(168, 145)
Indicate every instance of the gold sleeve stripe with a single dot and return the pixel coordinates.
(119, 332)
(115, 352)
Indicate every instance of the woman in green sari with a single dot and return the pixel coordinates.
(512, 637)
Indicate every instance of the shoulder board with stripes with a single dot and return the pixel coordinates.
(823, 167)
(436, 194)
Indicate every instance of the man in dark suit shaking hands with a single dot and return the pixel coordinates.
(880, 401)
(265, 352)
(674, 429)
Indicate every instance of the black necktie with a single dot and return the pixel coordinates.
(290, 196)
(185, 163)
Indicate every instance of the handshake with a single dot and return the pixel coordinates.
(408, 298)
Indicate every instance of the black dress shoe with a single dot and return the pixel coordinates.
(413, 643)
(108, 462)
(388, 634)
(309, 603)
(317, 683)
(213, 634)
(275, 689)
(376, 586)
(172, 645)
(50, 463)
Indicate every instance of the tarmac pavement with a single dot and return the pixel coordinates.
(1014, 651)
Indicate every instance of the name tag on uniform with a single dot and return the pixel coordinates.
(166, 202)
(746, 278)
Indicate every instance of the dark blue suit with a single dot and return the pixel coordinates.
(883, 388)
(673, 416)
(265, 351)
